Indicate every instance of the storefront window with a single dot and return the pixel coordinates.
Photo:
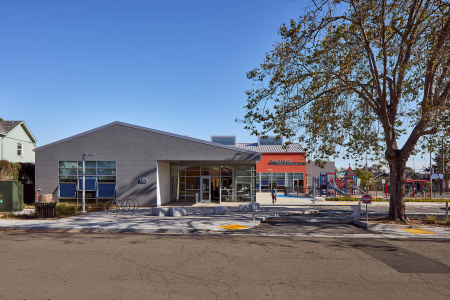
(227, 182)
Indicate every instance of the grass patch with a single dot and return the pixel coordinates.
(348, 198)
(93, 207)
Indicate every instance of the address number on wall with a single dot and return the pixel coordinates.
(142, 180)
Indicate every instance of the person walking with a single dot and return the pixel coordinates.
(273, 192)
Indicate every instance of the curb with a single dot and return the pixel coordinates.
(382, 226)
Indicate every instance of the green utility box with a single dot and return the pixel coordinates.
(11, 196)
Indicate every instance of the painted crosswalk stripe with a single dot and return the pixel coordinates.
(233, 227)
(419, 231)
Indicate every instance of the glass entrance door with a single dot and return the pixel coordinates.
(206, 190)
(295, 185)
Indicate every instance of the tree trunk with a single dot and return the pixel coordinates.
(397, 208)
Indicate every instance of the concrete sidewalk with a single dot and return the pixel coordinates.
(199, 219)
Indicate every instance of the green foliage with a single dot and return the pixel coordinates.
(9, 170)
(365, 176)
(432, 219)
(92, 207)
(18, 216)
(447, 220)
(349, 78)
(66, 210)
(8, 216)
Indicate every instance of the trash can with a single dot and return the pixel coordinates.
(45, 207)
(11, 196)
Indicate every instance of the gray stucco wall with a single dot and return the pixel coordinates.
(136, 152)
(329, 167)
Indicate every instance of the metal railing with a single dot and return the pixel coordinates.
(356, 214)
(120, 206)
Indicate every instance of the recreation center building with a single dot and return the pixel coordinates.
(158, 167)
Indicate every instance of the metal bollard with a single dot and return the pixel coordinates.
(446, 209)
(196, 197)
(253, 211)
(359, 211)
(264, 211)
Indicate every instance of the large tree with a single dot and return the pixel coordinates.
(350, 77)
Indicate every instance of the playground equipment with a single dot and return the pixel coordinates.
(420, 185)
(333, 186)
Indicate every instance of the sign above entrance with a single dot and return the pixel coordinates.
(285, 162)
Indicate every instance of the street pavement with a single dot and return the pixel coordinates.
(165, 266)
(297, 252)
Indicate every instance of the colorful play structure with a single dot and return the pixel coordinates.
(330, 185)
(413, 188)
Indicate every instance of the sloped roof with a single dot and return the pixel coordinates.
(149, 130)
(292, 148)
(349, 172)
(8, 126)
(380, 174)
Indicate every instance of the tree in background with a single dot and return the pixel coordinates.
(350, 77)
(409, 170)
(366, 178)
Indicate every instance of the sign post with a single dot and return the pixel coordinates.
(366, 199)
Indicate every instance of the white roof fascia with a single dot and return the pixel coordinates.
(27, 131)
(149, 130)
(33, 139)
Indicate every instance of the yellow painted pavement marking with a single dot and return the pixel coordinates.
(233, 227)
(419, 231)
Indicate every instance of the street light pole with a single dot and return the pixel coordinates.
(314, 183)
(83, 193)
(431, 179)
(270, 183)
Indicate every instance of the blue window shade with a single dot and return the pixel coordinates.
(280, 182)
(264, 181)
(67, 190)
(106, 190)
(91, 183)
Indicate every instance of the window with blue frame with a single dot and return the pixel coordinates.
(280, 182)
(100, 178)
(67, 190)
(106, 191)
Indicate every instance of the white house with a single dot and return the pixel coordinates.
(16, 142)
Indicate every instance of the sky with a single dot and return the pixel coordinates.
(178, 66)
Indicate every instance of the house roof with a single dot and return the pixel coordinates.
(7, 126)
(291, 148)
(380, 175)
(149, 130)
